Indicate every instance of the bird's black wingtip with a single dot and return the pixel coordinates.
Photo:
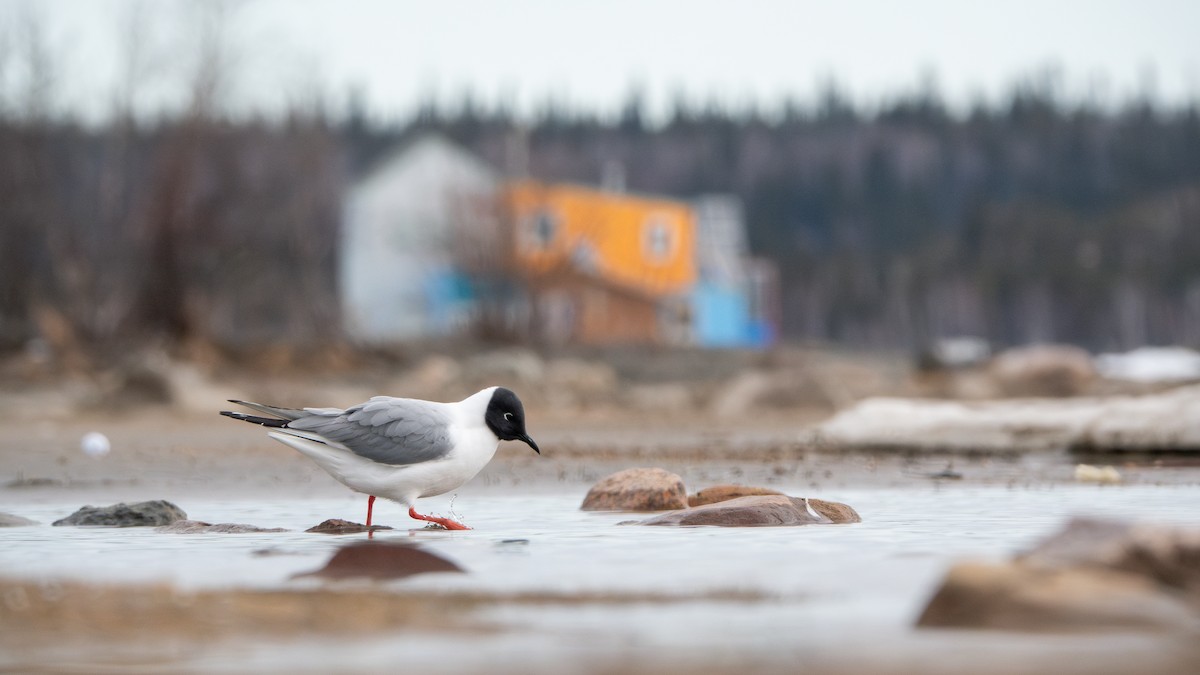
(255, 419)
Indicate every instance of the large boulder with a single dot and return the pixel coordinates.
(642, 489)
(141, 514)
(834, 511)
(720, 493)
(1091, 575)
(1166, 555)
(1018, 597)
(754, 511)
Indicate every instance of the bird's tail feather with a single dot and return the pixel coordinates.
(285, 413)
(254, 419)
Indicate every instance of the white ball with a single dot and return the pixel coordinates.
(95, 444)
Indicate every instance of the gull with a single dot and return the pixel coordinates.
(400, 448)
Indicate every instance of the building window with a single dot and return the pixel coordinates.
(541, 228)
(658, 238)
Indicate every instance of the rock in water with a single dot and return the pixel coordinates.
(720, 493)
(198, 527)
(141, 514)
(9, 520)
(834, 511)
(754, 511)
(339, 526)
(1093, 574)
(641, 489)
(1018, 597)
(1166, 554)
(837, 512)
(377, 560)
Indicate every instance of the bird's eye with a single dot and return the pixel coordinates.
(508, 416)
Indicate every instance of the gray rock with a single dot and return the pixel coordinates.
(141, 514)
(339, 526)
(198, 527)
(753, 511)
(9, 520)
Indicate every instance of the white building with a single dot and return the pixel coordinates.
(402, 224)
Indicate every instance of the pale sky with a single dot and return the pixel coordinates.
(589, 54)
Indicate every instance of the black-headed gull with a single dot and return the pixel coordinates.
(400, 448)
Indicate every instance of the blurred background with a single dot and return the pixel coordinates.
(314, 184)
(753, 247)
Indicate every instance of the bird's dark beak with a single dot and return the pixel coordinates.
(529, 442)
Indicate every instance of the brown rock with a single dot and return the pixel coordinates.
(1167, 555)
(1043, 370)
(1092, 574)
(753, 511)
(720, 493)
(836, 511)
(642, 489)
(378, 560)
(339, 526)
(1020, 597)
(198, 527)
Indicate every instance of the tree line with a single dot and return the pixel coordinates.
(1027, 219)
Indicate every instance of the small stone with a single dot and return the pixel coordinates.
(10, 520)
(643, 489)
(339, 526)
(378, 560)
(141, 514)
(198, 527)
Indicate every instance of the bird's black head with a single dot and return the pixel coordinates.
(505, 416)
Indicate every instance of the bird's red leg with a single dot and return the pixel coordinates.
(444, 522)
(370, 507)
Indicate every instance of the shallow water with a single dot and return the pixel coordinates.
(823, 585)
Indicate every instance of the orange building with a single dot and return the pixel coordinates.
(603, 267)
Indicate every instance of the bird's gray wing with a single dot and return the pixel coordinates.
(387, 430)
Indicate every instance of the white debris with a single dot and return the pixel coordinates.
(1105, 475)
(1151, 364)
(95, 444)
